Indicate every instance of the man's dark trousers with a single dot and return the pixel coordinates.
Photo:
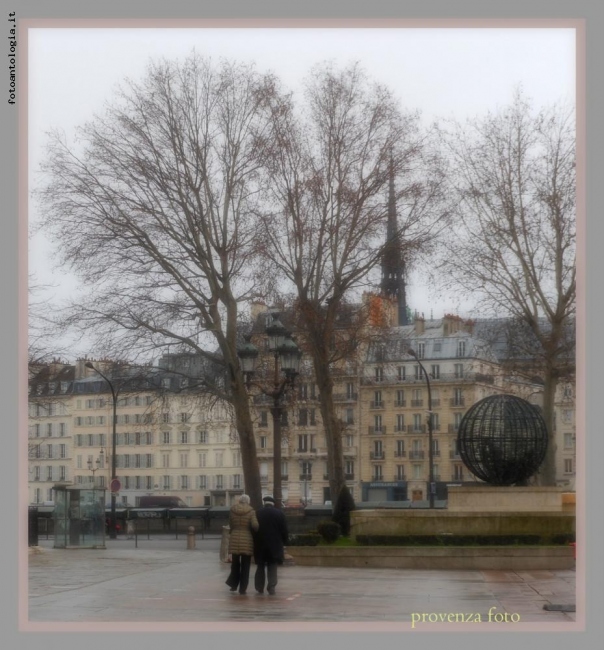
(266, 570)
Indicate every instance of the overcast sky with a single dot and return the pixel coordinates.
(459, 72)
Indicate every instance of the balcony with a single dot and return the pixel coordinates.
(399, 429)
(349, 477)
(457, 402)
(263, 479)
(306, 477)
(453, 428)
(350, 451)
(400, 477)
(485, 379)
(416, 403)
(265, 452)
(436, 427)
(400, 403)
(455, 477)
(400, 454)
(377, 431)
(436, 453)
(376, 405)
(376, 455)
(454, 455)
(345, 397)
(416, 428)
(284, 477)
(435, 403)
(416, 454)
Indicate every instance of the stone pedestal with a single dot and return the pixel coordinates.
(489, 498)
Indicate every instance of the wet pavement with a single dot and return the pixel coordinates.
(163, 581)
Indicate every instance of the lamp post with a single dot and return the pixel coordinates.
(114, 394)
(287, 356)
(431, 484)
(98, 462)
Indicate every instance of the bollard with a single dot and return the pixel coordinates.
(130, 528)
(224, 544)
(191, 538)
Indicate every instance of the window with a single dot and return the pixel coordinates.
(236, 481)
(165, 418)
(303, 391)
(49, 452)
(37, 473)
(203, 437)
(184, 482)
(416, 397)
(377, 472)
(306, 469)
(284, 468)
(184, 460)
(303, 442)
(421, 350)
(49, 473)
(435, 371)
(350, 391)
(400, 422)
(568, 465)
(149, 460)
(461, 348)
(137, 438)
(236, 459)
(417, 471)
(303, 417)
(417, 372)
(79, 462)
(62, 451)
(377, 422)
(458, 370)
(312, 418)
(457, 420)
(166, 482)
(218, 459)
(379, 374)
(400, 448)
(165, 460)
(349, 440)
(165, 437)
(37, 430)
(148, 482)
(435, 422)
(377, 398)
(137, 482)
(400, 472)
(457, 473)
(49, 430)
(203, 482)
(400, 398)
(401, 373)
(349, 468)
(264, 418)
(569, 441)
(417, 422)
(219, 482)
(184, 437)
(263, 442)
(184, 417)
(567, 416)
(349, 417)
(378, 451)
(435, 447)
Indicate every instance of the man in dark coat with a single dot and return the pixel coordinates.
(269, 541)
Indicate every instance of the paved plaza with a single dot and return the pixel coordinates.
(163, 581)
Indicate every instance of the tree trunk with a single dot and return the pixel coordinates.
(547, 472)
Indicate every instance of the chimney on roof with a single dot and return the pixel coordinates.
(257, 307)
(419, 323)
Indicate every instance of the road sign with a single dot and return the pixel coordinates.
(115, 485)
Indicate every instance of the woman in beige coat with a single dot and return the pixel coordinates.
(242, 521)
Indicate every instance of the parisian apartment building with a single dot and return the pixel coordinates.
(173, 441)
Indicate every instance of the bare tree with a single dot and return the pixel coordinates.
(153, 207)
(513, 178)
(328, 168)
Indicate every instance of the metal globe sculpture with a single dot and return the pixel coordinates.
(502, 439)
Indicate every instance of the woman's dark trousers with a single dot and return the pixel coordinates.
(240, 572)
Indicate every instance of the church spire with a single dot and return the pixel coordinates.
(393, 266)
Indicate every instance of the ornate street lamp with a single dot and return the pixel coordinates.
(431, 484)
(114, 395)
(287, 357)
(99, 463)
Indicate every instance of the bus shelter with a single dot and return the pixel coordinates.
(79, 517)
